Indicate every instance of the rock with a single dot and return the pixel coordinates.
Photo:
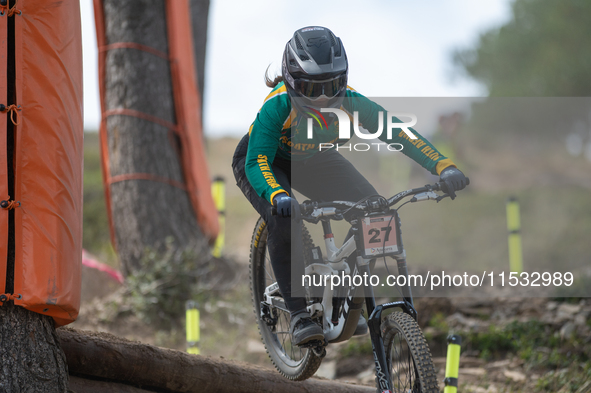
(551, 306)
(475, 389)
(255, 346)
(480, 389)
(548, 318)
(353, 365)
(500, 363)
(567, 311)
(515, 375)
(516, 362)
(473, 353)
(430, 331)
(477, 371)
(223, 304)
(580, 320)
(327, 370)
(364, 374)
(478, 312)
(498, 315)
(458, 319)
(367, 376)
(567, 330)
(584, 331)
(585, 312)
(467, 361)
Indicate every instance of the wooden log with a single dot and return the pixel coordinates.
(83, 385)
(104, 356)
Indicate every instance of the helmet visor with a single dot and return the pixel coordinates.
(314, 89)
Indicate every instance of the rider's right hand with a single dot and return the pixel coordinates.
(283, 204)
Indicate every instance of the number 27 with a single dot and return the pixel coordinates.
(376, 233)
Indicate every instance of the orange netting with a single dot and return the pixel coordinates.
(187, 103)
(9, 204)
(11, 10)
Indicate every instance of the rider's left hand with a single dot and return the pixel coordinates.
(454, 179)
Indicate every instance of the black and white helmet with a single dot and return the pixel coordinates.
(315, 66)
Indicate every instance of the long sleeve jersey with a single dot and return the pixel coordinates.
(279, 131)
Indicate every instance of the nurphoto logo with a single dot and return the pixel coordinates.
(345, 128)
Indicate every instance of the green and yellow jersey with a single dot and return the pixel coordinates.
(279, 131)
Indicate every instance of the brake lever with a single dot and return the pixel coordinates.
(441, 197)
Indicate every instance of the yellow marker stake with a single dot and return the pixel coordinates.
(192, 316)
(218, 191)
(452, 364)
(514, 228)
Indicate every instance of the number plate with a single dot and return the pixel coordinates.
(379, 236)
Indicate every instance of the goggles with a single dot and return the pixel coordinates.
(314, 89)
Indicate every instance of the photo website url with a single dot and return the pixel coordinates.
(523, 279)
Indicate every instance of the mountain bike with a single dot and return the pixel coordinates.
(402, 357)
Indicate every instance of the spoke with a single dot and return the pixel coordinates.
(399, 366)
(271, 277)
(284, 337)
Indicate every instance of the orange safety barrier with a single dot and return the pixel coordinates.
(187, 104)
(3, 153)
(48, 155)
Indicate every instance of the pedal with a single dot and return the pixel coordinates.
(317, 346)
(314, 344)
(266, 316)
(320, 352)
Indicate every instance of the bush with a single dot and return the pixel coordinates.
(158, 292)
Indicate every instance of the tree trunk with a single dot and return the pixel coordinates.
(145, 212)
(104, 356)
(31, 359)
(199, 13)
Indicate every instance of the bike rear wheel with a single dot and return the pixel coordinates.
(408, 356)
(291, 361)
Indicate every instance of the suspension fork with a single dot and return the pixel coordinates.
(403, 271)
(374, 322)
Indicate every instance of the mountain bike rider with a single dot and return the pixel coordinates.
(267, 161)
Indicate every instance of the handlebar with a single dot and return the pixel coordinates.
(332, 208)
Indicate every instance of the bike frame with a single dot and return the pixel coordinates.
(336, 262)
(343, 330)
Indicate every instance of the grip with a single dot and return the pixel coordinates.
(443, 186)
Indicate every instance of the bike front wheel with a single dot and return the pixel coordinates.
(408, 356)
(291, 361)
